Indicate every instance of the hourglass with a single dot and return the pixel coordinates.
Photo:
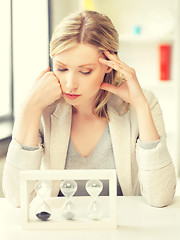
(94, 188)
(43, 210)
(68, 188)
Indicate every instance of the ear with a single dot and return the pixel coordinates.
(109, 69)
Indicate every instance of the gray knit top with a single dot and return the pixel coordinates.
(100, 158)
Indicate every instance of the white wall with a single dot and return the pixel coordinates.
(61, 8)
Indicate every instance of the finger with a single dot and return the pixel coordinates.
(117, 65)
(110, 88)
(43, 72)
(115, 58)
(111, 64)
(56, 78)
(123, 72)
(111, 56)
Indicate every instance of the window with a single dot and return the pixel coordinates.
(6, 107)
(24, 36)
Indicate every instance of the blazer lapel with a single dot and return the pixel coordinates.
(120, 134)
(59, 140)
(60, 132)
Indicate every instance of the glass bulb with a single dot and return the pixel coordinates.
(68, 210)
(95, 211)
(43, 210)
(68, 188)
(94, 188)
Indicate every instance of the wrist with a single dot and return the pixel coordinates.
(147, 128)
(142, 106)
(33, 105)
(27, 123)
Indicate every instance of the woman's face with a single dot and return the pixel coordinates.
(80, 73)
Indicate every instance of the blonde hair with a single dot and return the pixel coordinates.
(89, 27)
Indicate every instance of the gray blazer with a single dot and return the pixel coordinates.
(146, 172)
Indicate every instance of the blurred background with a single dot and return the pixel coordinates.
(149, 35)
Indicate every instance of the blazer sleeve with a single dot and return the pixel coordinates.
(19, 159)
(156, 170)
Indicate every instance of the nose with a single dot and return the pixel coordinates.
(71, 83)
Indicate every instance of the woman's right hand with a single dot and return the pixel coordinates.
(45, 90)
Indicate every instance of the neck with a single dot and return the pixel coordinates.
(85, 109)
(87, 112)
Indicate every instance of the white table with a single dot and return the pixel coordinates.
(136, 220)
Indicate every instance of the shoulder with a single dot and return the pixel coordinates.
(117, 104)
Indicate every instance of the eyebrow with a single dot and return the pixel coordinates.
(83, 65)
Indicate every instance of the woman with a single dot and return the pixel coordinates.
(91, 112)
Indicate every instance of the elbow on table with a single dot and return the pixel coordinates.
(11, 196)
(15, 202)
(161, 200)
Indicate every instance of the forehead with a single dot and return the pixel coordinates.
(79, 55)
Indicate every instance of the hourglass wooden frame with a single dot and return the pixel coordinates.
(60, 175)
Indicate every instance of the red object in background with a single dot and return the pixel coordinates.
(165, 61)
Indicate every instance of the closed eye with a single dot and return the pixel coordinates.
(62, 69)
(65, 69)
(86, 72)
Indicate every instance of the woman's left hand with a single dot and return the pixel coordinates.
(130, 90)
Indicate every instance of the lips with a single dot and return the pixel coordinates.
(72, 96)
